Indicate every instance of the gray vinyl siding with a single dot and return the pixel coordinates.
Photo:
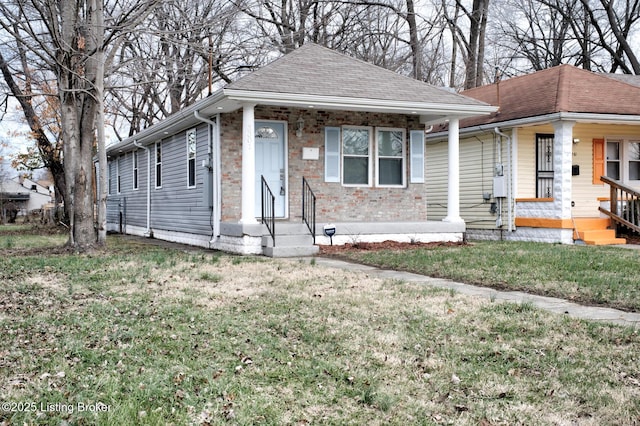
(174, 206)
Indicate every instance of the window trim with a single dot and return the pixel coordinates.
(191, 160)
(370, 157)
(158, 164)
(135, 173)
(402, 157)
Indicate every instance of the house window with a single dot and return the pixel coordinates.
(613, 160)
(634, 160)
(356, 151)
(353, 157)
(135, 169)
(110, 178)
(390, 150)
(118, 176)
(544, 165)
(191, 158)
(158, 164)
(623, 160)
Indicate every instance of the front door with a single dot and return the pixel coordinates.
(269, 139)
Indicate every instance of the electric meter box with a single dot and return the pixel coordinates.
(499, 186)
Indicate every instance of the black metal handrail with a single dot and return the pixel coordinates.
(268, 209)
(309, 208)
(624, 204)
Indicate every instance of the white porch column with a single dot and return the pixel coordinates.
(248, 165)
(453, 190)
(562, 160)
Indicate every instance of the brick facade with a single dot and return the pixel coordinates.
(335, 203)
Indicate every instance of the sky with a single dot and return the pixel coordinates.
(12, 122)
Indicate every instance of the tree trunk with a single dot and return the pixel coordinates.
(78, 106)
(414, 40)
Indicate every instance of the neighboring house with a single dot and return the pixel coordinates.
(355, 133)
(23, 194)
(532, 170)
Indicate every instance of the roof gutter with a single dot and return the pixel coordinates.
(172, 124)
(632, 120)
(358, 104)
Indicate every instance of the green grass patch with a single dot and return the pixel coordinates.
(592, 275)
(146, 335)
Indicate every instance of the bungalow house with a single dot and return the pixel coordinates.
(558, 162)
(263, 165)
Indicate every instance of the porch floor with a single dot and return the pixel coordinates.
(596, 231)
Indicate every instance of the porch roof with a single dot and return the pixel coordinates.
(315, 77)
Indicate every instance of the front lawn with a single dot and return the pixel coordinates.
(144, 335)
(593, 275)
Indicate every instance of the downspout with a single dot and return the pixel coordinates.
(147, 232)
(509, 177)
(214, 153)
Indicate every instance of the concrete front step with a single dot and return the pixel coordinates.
(292, 240)
(290, 251)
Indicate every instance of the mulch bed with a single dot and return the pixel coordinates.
(385, 245)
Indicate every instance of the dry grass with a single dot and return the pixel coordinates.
(166, 337)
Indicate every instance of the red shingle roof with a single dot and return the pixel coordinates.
(564, 88)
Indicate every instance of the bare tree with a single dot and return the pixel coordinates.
(468, 37)
(613, 23)
(66, 42)
(179, 51)
(542, 33)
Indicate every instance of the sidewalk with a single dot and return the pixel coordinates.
(559, 306)
(552, 304)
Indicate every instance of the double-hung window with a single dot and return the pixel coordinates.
(191, 158)
(158, 164)
(367, 156)
(391, 163)
(356, 156)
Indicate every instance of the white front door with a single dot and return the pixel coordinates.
(270, 163)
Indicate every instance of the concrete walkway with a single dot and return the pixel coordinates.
(552, 304)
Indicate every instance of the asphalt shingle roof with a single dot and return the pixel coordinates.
(564, 88)
(316, 70)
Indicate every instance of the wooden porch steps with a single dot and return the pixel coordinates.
(596, 231)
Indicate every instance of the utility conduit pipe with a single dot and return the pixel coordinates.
(509, 198)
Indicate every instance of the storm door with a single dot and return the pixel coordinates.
(544, 166)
